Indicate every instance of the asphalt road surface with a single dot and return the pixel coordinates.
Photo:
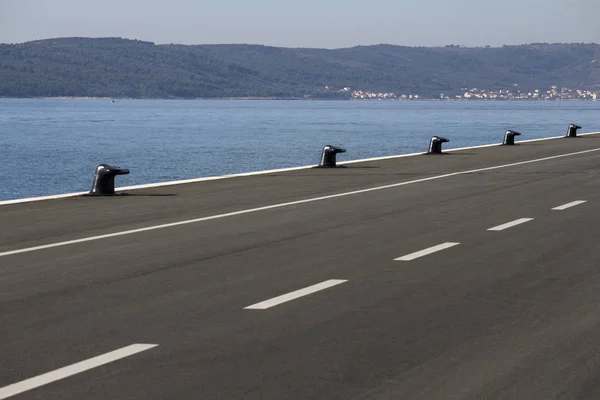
(470, 275)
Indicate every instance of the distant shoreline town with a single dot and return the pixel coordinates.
(553, 93)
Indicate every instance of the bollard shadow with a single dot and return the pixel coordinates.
(128, 195)
(148, 194)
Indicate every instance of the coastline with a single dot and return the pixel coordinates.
(279, 98)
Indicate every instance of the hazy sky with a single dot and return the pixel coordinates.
(306, 23)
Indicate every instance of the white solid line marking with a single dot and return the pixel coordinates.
(65, 372)
(510, 224)
(419, 254)
(569, 205)
(290, 203)
(294, 295)
(244, 174)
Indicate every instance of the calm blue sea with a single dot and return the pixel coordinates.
(51, 146)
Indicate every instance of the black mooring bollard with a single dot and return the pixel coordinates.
(104, 179)
(509, 137)
(572, 132)
(328, 157)
(435, 145)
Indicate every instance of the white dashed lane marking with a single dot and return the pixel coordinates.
(73, 369)
(510, 224)
(296, 294)
(569, 205)
(430, 250)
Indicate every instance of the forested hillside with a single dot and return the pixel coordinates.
(113, 67)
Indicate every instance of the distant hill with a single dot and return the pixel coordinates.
(114, 67)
